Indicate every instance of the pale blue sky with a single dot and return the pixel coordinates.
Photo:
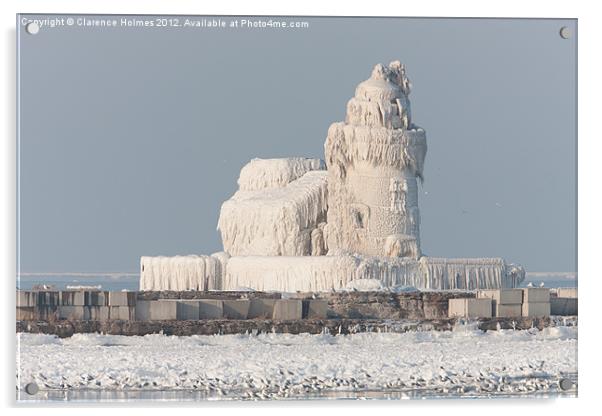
(132, 138)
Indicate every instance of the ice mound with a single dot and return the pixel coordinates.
(275, 221)
(404, 289)
(275, 173)
(365, 285)
(244, 289)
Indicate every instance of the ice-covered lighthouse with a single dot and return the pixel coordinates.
(374, 159)
(298, 224)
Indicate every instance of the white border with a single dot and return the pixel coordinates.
(589, 163)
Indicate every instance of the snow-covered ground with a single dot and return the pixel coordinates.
(465, 361)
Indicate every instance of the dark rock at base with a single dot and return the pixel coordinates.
(383, 305)
(363, 305)
(66, 328)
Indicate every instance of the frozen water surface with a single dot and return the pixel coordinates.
(465, 362)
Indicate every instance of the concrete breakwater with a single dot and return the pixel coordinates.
(195, 305)
(207, 313)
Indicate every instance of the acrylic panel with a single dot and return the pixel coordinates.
(265, 208)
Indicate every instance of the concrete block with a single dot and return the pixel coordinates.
(51, 298)
(502, 296)
(98, 298)
(536, 309)
(26, 313)
(142, 310)
(156, 310)
(75, 313)
(315, 308)
(163, 310)
(456, 308)
(470, 308)
(236, 309)
(211, 309)
(563, 306)
(478, 308)
(507, 311)
(287, 309)
(43, 312)
(122, 299)
(26, 298)
(187, 310)
(261, 308)
(73, 298)
(121, 313)
(98, 313)
(536, 294)
(566, 292)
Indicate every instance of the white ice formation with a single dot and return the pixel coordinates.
(180, 273)
(275, 173)
(299, 224)
(276, 221)
(374, 159)
(365, 285)
(323, 273)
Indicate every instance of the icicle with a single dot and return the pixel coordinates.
(180, 273)
(471, 273)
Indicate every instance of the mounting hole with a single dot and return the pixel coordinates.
(32, 28)
(565, 32)
(31, 388)
(565, 384)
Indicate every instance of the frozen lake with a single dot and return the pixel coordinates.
(465, 362)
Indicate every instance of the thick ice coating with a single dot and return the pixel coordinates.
(180, 273)
(294, 226)
(275, 221)
(275, 173)
(374, 159)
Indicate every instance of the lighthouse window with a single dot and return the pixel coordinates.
(359, 219)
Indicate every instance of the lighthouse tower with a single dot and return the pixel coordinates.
(374, 160)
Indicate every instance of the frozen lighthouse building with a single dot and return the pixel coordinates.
(299, 224)
(374, 160)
